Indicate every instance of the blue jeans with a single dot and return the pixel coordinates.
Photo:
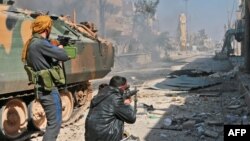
(52, 106)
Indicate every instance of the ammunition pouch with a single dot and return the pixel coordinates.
(57, 75)
(44, 78)
(47, 78)
(31, 74)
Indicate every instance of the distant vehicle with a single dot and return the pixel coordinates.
(18, 107)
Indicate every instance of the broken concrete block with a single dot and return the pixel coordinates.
(171, 127)
(188, 124)
(200, 130)
(211, 133)
(216, 123)
(234, 106)
(167, 122)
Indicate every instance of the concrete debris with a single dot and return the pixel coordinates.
(202, 115)
(167, 122)
(172, 127)
(163, 135)
(211, 133)
(186, 83)
(230, 74)
(189, 72)
(234, 106)
(180, 119)
(220, 56)
(131, 138)
(244, 120)
(200, 130)
(232, 119)
(213, 122)
(210, 95)
(176, 99)
(188, 124)
(237, 99)
(198, 119)
(148, 107)
(202, 137)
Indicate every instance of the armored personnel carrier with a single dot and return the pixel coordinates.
(18, 107)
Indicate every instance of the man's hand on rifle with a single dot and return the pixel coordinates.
(60, 46)
(127, 101)
(56, 43)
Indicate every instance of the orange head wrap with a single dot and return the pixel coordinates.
(41, 24)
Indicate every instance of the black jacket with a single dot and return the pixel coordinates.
(106, 117)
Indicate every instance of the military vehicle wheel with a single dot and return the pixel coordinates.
(84, 94)
(67, 105)
(14, 118)
(37, 115)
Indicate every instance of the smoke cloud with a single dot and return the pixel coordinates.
(84, 9)
(136, 31)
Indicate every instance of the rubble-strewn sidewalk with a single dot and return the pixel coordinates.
(242, 77)
(194, 115)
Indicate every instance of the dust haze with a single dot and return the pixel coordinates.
(133, 26)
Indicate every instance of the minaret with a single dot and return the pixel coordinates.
(183, 31)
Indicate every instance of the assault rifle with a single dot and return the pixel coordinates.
(69, 45)
(71, 51)
(129, 93)
(63, 40)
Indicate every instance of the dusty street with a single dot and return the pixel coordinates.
(177, 115)
(190, 64)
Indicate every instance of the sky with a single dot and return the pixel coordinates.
(210, 15)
